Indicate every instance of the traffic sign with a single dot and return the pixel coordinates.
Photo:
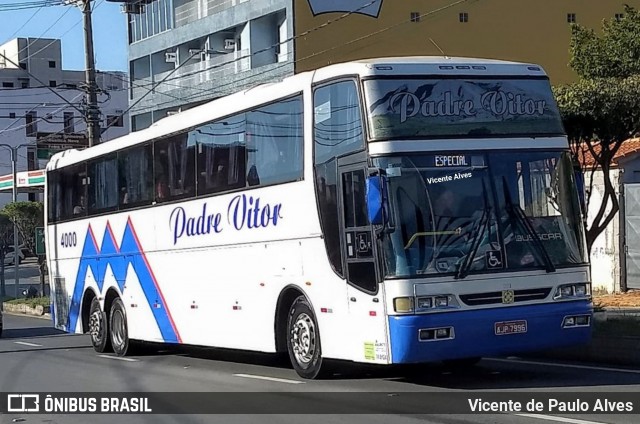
(40, 250)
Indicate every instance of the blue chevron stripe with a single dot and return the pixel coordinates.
(119, 258)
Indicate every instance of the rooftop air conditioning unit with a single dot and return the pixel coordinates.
(171, 57)
(229, 44)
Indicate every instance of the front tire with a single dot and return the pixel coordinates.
(303, 340)
(98, 327)
(118, 331)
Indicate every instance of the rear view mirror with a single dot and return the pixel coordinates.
(375, 200)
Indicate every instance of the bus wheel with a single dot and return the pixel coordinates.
(118, 328)
(98, 327)
(303, 340)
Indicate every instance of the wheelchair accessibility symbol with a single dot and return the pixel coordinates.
(494, 259)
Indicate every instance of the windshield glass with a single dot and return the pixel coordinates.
(469, 213)
(419, 108)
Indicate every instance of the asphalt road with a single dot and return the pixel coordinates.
(37, 358)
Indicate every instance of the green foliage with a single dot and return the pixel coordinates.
(602, 109)
(36, 301)
(27, 216)
(614, 54)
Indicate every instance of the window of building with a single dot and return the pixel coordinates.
(31, 121)
(275, 143)
(135, 173)
(174, 168)
(69, 123)
(102, 187)
(23, 66)
(53, 83)
(571, 18)
(6, 84)
(52, 64)
(151, 19)
(415, 16)
(464, 17)
(619, 16)
(12, 115)
(24, 84)
(114, 121)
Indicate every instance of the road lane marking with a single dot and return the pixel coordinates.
(119, 358)
(262, 377)
(28, 344)
(558, 419)
(551, 364)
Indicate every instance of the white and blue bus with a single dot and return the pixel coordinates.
(387, 211)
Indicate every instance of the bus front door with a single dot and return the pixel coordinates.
(366, 306)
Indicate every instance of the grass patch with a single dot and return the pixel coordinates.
(617, 327)
(36, 301)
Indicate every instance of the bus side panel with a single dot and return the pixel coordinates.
(327, 293)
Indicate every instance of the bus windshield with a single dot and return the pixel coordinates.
(481, 212)
(431, 108)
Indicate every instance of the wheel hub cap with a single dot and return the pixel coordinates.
(303, 339)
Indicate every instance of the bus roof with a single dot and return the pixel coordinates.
(264, 93)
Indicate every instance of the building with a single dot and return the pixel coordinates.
(189, 51)
(41, 104)
(615, 254)
(186, 52)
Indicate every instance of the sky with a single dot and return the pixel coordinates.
(109, 32)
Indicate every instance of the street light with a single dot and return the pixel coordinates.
(14, 171)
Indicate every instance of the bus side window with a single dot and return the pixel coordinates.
(275, 142)
(337, 130)
(221, 151)
(174, 168)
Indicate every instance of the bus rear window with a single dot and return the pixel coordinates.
(446, 108)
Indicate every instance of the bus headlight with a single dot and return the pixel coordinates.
(435, 303)
(442, 301)
(403, 304)
(572, 291)
(424, 303)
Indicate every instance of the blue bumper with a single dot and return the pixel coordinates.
(475, 332)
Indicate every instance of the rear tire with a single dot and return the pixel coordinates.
(303, 340)
(98, 327)
(118, 330)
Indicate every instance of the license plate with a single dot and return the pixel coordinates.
(510, 327)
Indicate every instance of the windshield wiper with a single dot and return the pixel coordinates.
(463, 271)
(516, 211)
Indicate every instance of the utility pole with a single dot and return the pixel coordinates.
(92, 112)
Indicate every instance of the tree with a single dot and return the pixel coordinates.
(602, 109)
(28, 216)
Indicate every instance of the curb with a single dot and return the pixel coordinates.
(23, 309)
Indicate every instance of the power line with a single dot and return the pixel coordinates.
(11, 7)
(24, 24)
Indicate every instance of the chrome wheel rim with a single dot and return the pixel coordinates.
(95, 325)
(303, 339)
(118, 330)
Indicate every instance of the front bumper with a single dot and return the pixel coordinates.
(474, 332)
